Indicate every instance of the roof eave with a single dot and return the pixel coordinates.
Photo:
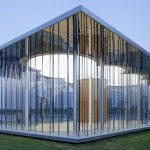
(102, 22)
(77, 9)
(43, 26)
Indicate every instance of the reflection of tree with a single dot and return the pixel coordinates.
(47, 41)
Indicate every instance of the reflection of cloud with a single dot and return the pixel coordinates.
(117, 76)
(53, 65)
(56, 66)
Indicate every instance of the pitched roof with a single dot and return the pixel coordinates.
(77, 9)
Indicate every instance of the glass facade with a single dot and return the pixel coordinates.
(74, 78)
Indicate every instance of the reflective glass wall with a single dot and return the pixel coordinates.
(75, 77)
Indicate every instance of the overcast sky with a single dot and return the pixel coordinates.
(131, 17)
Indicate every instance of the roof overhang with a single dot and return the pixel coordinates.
(77, 9)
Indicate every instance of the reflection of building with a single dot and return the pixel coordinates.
(74, 79)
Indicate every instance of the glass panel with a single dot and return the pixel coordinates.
(74, 78)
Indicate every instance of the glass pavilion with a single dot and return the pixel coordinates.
(74, 78)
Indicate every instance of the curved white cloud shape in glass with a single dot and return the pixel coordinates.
(114, 75)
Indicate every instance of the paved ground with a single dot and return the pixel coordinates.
(136, 141)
